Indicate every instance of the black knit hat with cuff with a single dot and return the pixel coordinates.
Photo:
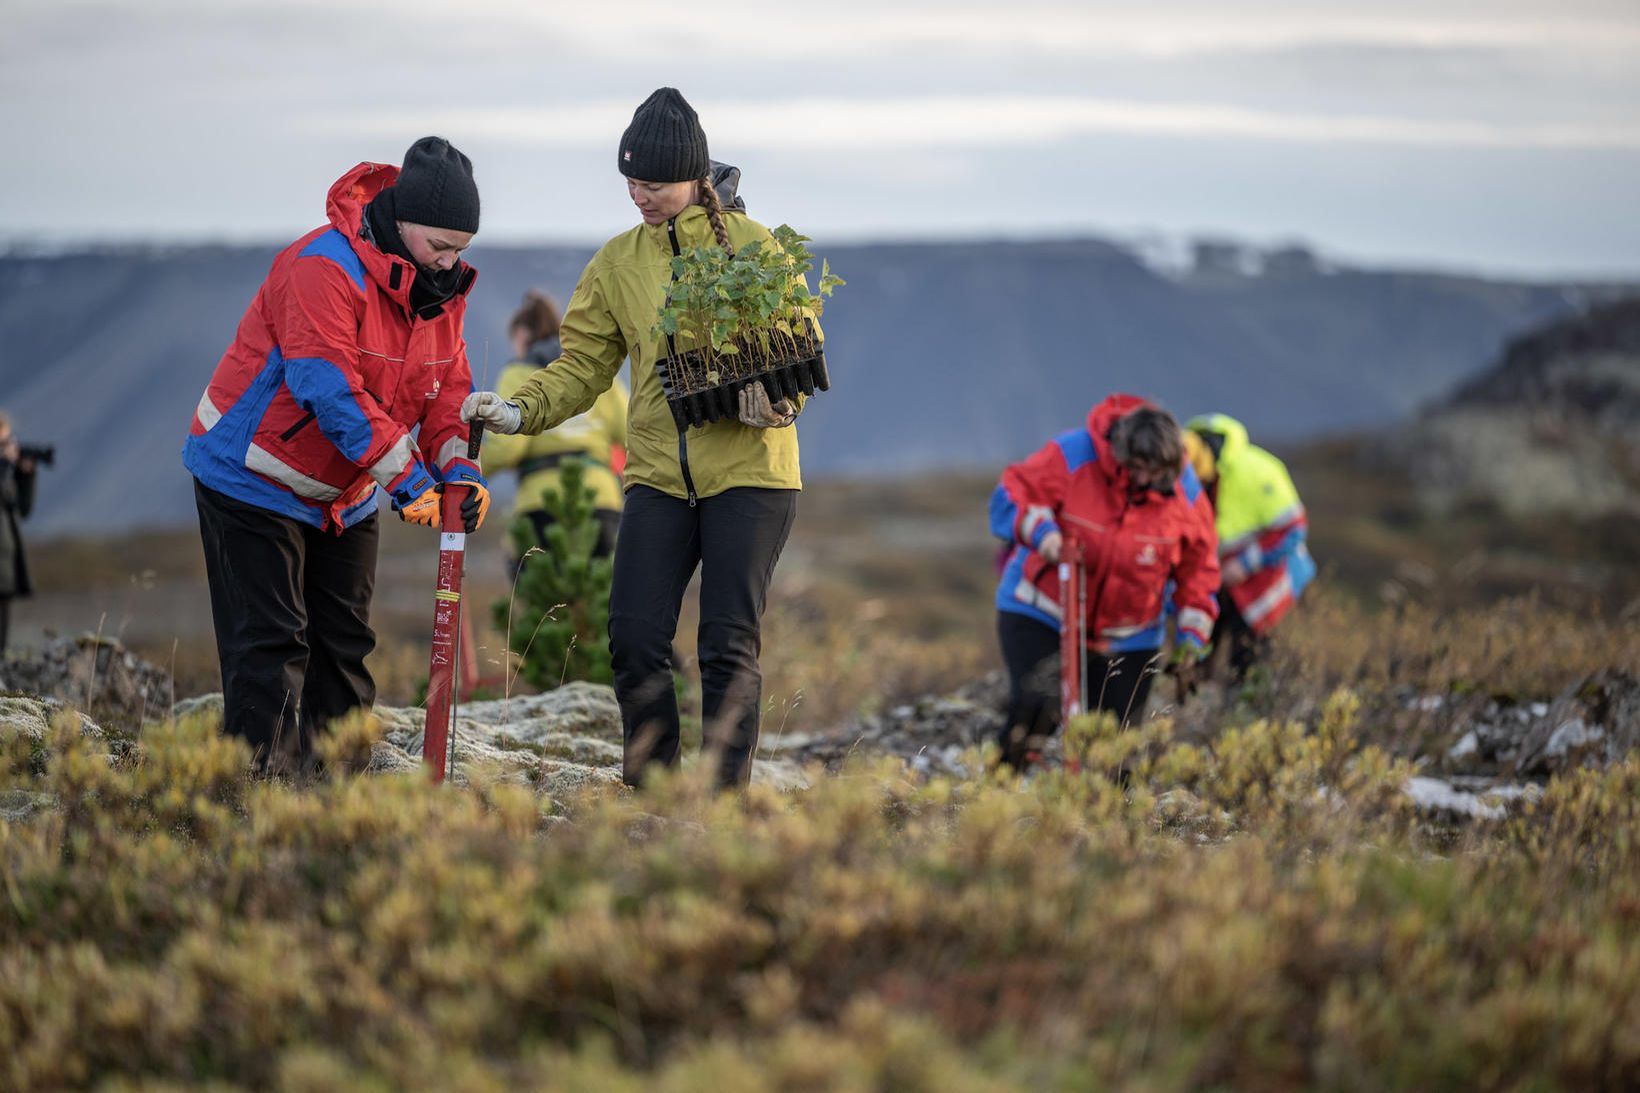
(665, 142)
(436, 187)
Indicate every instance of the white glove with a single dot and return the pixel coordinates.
(497, 414)
(756, 411)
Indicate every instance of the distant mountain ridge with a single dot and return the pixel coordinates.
(943, 355)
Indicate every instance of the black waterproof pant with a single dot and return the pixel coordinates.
(1118, 684)
(1246, 647)
(291, 605)
(735, 537)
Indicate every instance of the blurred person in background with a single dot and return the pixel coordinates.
(1262, 530)
(352, 343)
(17, 470)
(596, 437)
(719, 497)
(1120, 489)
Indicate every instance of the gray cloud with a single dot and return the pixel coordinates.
(1455, 132)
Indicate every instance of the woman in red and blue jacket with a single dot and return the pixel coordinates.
(347, 373)
(1119, 488)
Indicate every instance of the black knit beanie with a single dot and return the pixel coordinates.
(665, 142)
(436, 187)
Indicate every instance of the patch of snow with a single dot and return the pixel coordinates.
(1469, 745)
(1434, 795)
(1571, 734)
(1514, 793)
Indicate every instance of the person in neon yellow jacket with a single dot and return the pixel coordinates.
(596, 437)
(1264, 558)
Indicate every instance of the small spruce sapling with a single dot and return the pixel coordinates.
(560, 606)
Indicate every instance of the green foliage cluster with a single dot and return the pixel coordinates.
(747, 309)
(1261, 911)
(557, 618)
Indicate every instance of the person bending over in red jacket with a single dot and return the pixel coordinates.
(1119, 487)
(352, 343)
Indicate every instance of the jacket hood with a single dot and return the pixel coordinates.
(1105, 414)
(344, 205)
(1101, 419)
(726, 181)
(344, 208)
(1234, 434)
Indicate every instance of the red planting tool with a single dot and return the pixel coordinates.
(1073, 632)
(441, 669)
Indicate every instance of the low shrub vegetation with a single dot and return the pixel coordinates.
(1260, 910)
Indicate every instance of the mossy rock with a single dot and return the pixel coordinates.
(30, 717)
(20, 805)
(575, 709)
(198, 705)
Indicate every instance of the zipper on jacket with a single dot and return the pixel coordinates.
(672, 351)
(301, 423)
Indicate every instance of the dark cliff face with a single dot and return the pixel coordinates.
(1553, 428)
(952, 355)
(1585, 369)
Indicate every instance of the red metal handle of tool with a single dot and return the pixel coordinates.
(446, 619)
(1073, 631)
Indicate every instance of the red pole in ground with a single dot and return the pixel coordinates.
(452, 547)
(1073, 632)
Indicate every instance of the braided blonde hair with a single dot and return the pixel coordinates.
(714, 213)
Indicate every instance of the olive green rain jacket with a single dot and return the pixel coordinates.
(612, 316)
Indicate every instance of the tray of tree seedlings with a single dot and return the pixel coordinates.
(734, 319)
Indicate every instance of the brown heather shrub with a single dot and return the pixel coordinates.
(1257, 911)
(1516, 648)
(829, 655)
(1422, 676)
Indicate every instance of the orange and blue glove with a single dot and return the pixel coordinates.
(476, 505)
(415, 496)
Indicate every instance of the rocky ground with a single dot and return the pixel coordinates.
(95, 674)
(1486, 752)
(1476, 753)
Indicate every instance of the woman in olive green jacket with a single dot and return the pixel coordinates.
(720, 497)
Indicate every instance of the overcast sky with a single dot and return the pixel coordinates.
(1498, 135)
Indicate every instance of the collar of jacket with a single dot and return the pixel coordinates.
(544, 352)
(691, 225)
(344, 207)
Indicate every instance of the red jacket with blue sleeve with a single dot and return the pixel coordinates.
(1134, 546)
(315, 402)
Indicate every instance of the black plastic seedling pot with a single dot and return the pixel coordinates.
(695, 404)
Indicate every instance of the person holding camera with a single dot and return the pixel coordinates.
(17, 466)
